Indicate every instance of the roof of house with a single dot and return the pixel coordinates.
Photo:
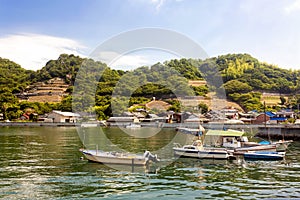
(278, 118)
(224, 133)
(270, 114)
(66, 114)
(152, 116)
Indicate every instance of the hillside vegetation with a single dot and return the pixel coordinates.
(243, 78)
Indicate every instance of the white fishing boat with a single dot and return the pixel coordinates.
(235, 141)
(133, 125)
(196, 150)
(89, 124)
(119, 158)
(194, 131)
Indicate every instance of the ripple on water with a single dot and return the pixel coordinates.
(45, 164)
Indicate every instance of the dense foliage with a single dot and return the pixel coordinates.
(13, 77)
(98, 88)
(66, 67)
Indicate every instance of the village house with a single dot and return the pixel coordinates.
(248, 118)
(29, 116)
(66, 117)
(285, 114)
(230, 113)
(261, 118)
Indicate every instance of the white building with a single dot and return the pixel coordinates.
(59, 116)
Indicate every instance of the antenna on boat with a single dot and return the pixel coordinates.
(83, 143)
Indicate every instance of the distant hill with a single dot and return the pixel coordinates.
(239, 67)
(65, 67)
(243, 77)
(244, 68)
(13, 77)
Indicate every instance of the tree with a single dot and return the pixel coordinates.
(235, 86)
(66, 104)
(175, 105)
(203, 108)
(282, 100)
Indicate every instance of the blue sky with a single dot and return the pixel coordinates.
(35, 31)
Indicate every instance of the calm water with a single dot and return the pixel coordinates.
(44, 163)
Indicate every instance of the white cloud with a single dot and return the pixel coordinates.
(32, 51)
(128, 62)
(295, 6)
(134, 59)
(123, 62)
(158, 4)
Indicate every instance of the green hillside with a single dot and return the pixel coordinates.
(13, 77)
(243, 77)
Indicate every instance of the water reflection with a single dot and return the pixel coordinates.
(44, 163)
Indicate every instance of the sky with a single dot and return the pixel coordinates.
(35, 31)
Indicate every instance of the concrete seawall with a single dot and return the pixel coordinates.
(291, 132)
(35, 124)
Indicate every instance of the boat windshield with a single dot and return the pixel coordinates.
(197, 143)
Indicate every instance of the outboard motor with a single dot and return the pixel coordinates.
(151, 157)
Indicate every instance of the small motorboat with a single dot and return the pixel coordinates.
(194, 131)
(264, 155)
(196, 150)
(263, 148)
(106, 157)
(133, 125)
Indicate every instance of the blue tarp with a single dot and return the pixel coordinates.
(264, 142)
(278, 118)
(270, 114)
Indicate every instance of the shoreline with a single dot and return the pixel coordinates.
(276, 131)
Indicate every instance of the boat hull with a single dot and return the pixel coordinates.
(189, 131)
(264, 155)
(111, 158)
(202, 154)
(271, 148)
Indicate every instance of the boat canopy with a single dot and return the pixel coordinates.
(224, 133)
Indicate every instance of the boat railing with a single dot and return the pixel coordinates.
(177, 145)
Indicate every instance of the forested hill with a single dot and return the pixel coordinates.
(13, 77)
(234, 68)
(243, 68)
(243, 77)
(258, 75)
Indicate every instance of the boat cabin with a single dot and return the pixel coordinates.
(197, 145)
(228, 139)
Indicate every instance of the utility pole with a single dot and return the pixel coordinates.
(265, 117)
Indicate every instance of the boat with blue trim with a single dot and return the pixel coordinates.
(264, 155)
